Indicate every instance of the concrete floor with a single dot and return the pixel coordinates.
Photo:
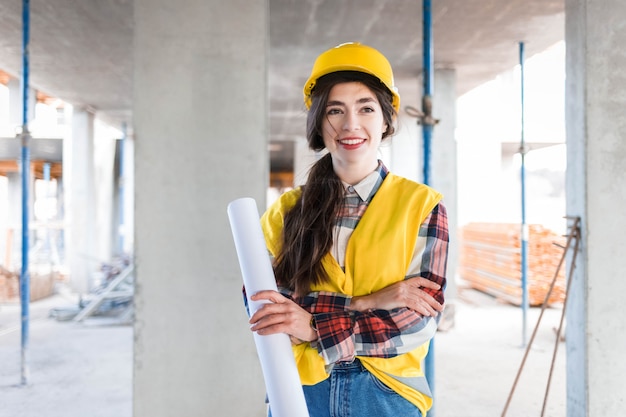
(75, 369)
(79, 370)
(478, 359)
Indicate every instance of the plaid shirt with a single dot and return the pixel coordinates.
(344, 333)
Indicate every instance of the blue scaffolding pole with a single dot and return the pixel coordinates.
(428, 63)
(524, 231)
(427, 133)
(25, 167)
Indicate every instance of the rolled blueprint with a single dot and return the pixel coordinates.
(280, 373)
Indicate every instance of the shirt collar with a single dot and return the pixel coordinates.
(368, 186)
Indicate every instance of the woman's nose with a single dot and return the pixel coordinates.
(350, 122)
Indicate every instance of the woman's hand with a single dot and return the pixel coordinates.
(281, 316)
(407, 293)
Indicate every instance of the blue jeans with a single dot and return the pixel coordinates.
(352, 391)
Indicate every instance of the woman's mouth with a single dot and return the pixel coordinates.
(351, 142)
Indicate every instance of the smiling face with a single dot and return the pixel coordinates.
(353, 129)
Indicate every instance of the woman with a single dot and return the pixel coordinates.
(359, 253)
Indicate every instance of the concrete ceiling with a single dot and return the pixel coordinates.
(81, 51)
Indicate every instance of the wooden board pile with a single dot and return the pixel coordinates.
(490, 261)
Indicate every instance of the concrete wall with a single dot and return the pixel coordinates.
(200, 108)
(596, 128)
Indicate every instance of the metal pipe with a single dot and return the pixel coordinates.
(573, 235)
(427, 131)
(25, 165)
(524, 231)
(428, 63)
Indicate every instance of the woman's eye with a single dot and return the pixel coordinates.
(367, 109)
(333, 111)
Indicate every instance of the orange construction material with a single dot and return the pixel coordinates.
(490, 261)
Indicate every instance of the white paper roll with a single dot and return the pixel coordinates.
(280, 373)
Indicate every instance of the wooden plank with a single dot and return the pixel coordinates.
(490, 261)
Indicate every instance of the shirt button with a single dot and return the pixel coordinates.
(350, 189)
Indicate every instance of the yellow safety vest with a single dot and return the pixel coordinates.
(378, 254)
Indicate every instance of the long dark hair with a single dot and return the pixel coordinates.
(308, 229)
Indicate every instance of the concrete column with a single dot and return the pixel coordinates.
(104, 194)
(444, 162)
(200, 131)
(403, 155)
(79, 194)
(596, 150)
(15, 102)
(14, 218)
(128, 191)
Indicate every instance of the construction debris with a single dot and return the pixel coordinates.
(112, 297)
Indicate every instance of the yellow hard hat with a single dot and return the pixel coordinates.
(352, 56)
